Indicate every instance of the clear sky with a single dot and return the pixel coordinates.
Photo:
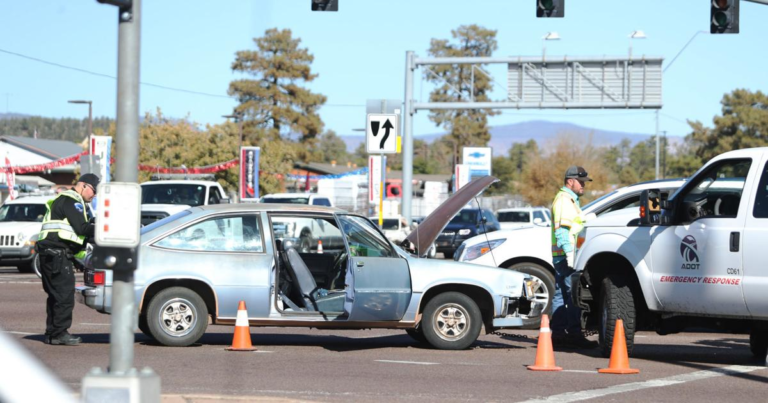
(360, 53)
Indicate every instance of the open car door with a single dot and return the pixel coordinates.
(378, 280)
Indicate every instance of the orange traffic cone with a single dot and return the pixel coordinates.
(619, 362)
(319, 246)
(242, 339)
(545, 356)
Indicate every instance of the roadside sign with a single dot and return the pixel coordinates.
(374, 178)
(249, 173)
(381, 132)
(478, 160)
(461, 176)
(118, 218)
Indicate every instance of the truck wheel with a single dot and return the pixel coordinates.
(616, 302)
(758, 343)
(144, 326)
(543, 289)
(177, 317)
(452, 321)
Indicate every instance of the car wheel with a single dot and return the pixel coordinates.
(543, 289)
(758, 343)
(417, 334)
(451, 321)
(616, 302)
(177, 317)
(36, 266)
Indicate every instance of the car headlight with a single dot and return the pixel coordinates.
(465, 231)
(475, 251)
(581, 238)
(31, 240)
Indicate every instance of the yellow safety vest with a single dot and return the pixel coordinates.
(566, 213)
(62, 227)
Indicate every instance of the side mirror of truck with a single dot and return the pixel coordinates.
(650, 207)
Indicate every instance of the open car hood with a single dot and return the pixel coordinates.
(426, 233)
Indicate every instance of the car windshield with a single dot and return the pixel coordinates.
(465, 217)
(515, 216)
(22, 212)
(181, 193)
(286, 200)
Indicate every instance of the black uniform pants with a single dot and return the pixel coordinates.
(59, 284)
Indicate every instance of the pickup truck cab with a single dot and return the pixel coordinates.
(693, 260)
(164, 198)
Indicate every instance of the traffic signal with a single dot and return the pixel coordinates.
(325, 5)
(724, 17)
(550, 8)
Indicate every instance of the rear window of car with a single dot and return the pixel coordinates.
(515, 216)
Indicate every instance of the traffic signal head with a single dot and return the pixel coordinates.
(550, 8)
(724, 17)
(325, 5)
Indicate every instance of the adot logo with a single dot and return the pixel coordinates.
(689, 252)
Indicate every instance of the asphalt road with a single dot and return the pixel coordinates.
(387, 365)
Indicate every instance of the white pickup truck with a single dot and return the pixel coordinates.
(693, 260)
(163, 198)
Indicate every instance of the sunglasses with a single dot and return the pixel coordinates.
(93, 189)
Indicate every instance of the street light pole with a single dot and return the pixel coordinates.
(90, 129)
(550, 36)
(238, 117)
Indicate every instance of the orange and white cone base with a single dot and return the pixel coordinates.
(242, 339)
(545, 355)
(619, 362)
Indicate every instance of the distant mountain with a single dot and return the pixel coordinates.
(502, 137)
(12, 116)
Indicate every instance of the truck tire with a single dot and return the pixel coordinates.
(144, 326)
(616, 302)
(177, 317)
(417, 334)
(758, 343)
(544, 289)
(451, 321)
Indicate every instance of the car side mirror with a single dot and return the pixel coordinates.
(650, 207)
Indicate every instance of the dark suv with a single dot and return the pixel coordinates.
(466, 224)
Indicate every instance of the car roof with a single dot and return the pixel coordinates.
(271, 207)
(293, 195)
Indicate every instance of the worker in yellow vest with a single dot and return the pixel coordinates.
(567, 222)
(63, 236)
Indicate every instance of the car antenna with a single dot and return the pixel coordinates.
(485, 233)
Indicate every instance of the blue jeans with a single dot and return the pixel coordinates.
(566, 316)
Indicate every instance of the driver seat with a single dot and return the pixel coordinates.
(313, 299)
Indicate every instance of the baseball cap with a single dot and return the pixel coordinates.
(90, 179)
(576, 172)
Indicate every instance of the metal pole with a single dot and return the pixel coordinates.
(658, 144)
(124, 314)
(408, 137)
(240, 127)
(90, 133)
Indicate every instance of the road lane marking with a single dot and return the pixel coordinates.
(21, 333)
(408, 362)
(653, 383)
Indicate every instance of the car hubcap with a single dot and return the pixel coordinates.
(451, 322)
(540, 293)
(178, 317)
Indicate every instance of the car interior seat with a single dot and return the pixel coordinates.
(313, 298)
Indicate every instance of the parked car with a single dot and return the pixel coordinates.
(528, 249)
(198, 263)
(20, 223)
(163, 198)
(466, 224)
(510, 218)
(396, 229)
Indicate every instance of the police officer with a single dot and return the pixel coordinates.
(567, 222)
(64, 234)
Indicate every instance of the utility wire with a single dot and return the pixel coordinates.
(164, 87)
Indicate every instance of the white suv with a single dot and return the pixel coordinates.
(163, 198)
(528, 249)
(20, 222)
(511, 218)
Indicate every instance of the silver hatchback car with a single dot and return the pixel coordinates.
(201, 262)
